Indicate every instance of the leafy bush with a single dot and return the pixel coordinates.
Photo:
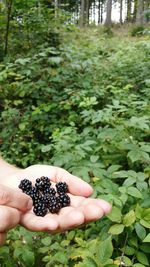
(85, 108)
(138, 30)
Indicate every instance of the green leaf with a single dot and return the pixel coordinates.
(138, 211)
(110, 265)
(46, 148)
(28, 257)
(93, 158)
(115, 215)
(140, 230)
(116, 229)
(129, 250)
(129, 181)
(129, 218)
(145, 223)
(126, 261)
(134, 155)
(142, 258)
(105, 250)
(147, 238)
(90, 262)
(46, 241)
(133, 191)
(138, 265)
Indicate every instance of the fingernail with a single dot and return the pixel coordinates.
(30, 203)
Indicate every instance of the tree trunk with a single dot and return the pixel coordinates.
(108, 13)
(94, 11)
(129, 11)
(99, 11)
(135, 10)
(121, 9)
(140, 10)
(56, 9)
(102, 11)
(82, 14)
(146, 7)
(87, 11)
(9, 8)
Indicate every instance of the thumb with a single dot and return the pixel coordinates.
(15, 199)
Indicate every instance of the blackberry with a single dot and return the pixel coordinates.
(40, 209)
(25, 185)
(45, 198)
(42, 183)
(38, 198)
(62, 187)
(49, 190)
(53, 205)
(64, 200)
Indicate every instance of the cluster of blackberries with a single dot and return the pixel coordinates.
(45, 197)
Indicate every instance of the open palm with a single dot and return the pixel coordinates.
(81, 210)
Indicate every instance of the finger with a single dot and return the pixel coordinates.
(2, 238)
(35, 223)
(91, 212)
(76, 185)
(9, 218)
(81, 201)
(73, 219)
(15, 199)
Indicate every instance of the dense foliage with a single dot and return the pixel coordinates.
(83, 106)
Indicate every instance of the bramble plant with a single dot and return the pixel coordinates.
(85, 107)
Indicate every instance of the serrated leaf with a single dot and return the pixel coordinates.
(145, 223)
(126, 261)
(147, 238)
(133, 191)
(90, 262)
(93, 158)
(116, 229)
(142, 258)
(105, 250)
(138, 265)
(46, 241)
(129, 181)
(45, 148)
(140, 230)
(138, 211)
(129, 218)
(134, 155)
(28, 258)
(115, 215)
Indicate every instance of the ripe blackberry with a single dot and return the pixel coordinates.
(32, 193)
(62, 187)
(40, 209)
(42, 183)
(38, 198)
(54, 206)
(25, 185)
(49, 190)
(45, 198)
(64, 200)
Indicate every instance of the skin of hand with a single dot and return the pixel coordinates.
(12, 204)
(81, 211)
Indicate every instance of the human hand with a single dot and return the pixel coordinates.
(12, 203)
(82, 209)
